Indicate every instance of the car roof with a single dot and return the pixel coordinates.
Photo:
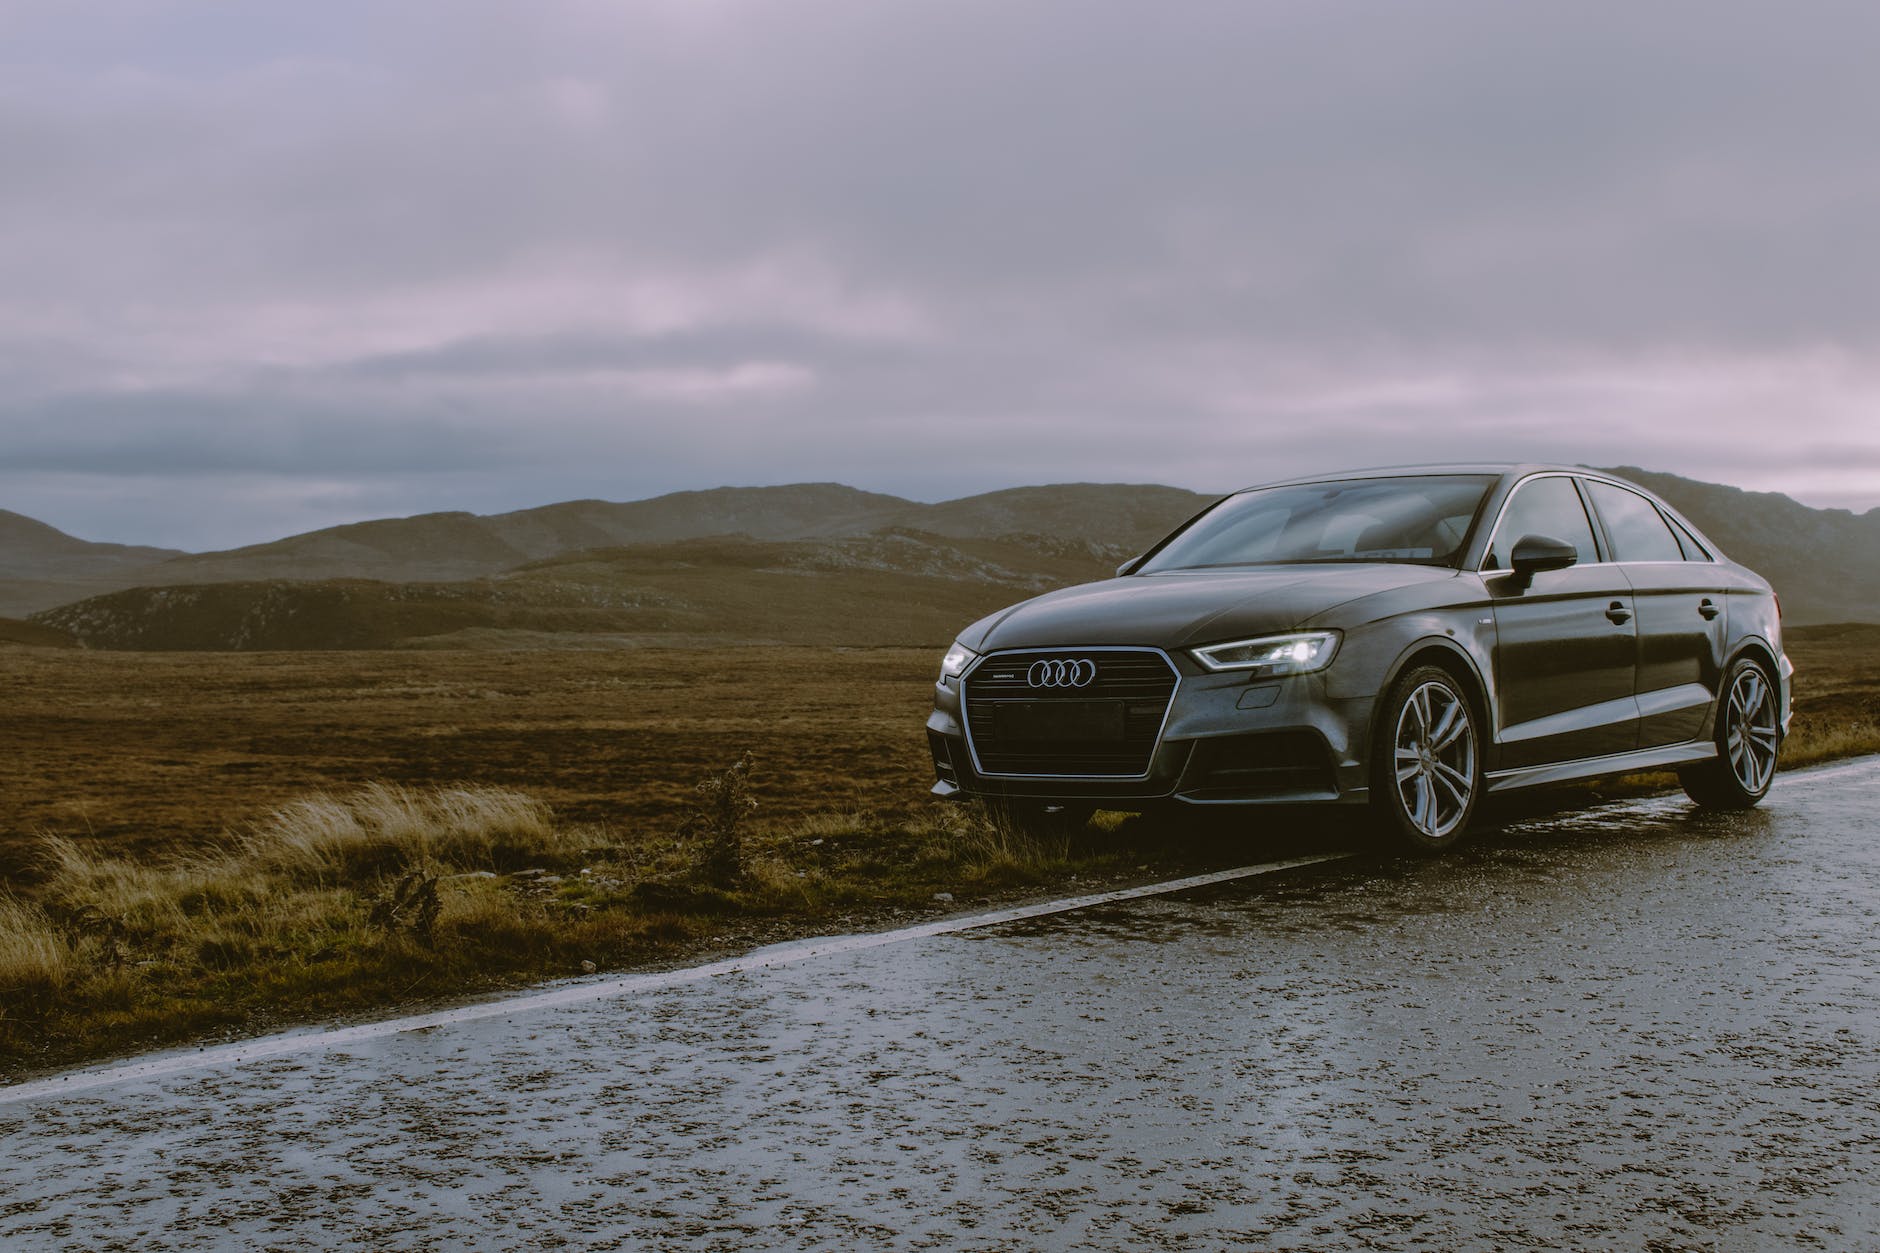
(1501, 469)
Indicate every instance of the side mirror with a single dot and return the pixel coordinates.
(1536, 553)
(1129, 565)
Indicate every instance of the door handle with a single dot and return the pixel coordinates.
(1709, 609)
(1618, 613)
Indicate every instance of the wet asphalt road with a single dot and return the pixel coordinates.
(1634, 1028)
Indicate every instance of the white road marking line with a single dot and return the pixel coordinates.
(771, 958)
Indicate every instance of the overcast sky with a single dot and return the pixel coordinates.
(271, 266)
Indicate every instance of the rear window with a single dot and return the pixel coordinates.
(1694, 549)
(1638, 531)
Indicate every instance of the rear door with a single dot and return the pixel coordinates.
(1566, 649)
(1681, 614)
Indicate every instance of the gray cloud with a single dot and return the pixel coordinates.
(339, 257)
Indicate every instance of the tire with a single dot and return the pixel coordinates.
(1749, 739)
(1426, 763)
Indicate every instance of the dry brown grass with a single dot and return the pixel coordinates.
(355, 900)
(1817, 739)
(385, 828)
(35, 960)
(269, 918)
(1000, 844)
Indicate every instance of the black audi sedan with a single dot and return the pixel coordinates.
(1409, 639)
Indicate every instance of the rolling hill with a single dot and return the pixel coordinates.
(451, 547)
(41, 565)
(447, 546)
(800, 563)
(892, 587)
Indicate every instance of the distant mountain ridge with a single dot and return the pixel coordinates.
(459, 545)
(443, 546)
(31, 549)
(574, 566)
(448, 547)
(41, 565)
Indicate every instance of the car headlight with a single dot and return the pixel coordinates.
(1301, 653)
(955, 662)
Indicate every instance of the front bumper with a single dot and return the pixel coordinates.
(1227, 740)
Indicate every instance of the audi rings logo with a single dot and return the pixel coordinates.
(1065, 672)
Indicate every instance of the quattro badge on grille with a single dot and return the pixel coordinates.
(1062, 672)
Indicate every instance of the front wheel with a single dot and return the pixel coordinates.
(1426, 775)
(1749, 735)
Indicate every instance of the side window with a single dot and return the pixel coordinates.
(1638, 531)
(1548, 507)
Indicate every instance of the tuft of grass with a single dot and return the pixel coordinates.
(329, 902)
(716, 825)
(384, 830)
(993, 844)
(35, 960)
(848, 859)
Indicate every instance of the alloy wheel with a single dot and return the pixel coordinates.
(1750, 733)
(1435, 759)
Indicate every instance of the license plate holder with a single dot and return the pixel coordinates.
(1083, 721)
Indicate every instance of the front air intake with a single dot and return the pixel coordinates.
(1068, 712)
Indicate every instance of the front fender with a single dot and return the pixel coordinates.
(1372, 656)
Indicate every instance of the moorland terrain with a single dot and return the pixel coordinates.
(428, 756)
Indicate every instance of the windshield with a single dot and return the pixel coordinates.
(1421, 519)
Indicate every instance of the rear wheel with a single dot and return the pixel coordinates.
(1749, 736)
(1426, 773)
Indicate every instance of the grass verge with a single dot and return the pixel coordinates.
(356, 902)
(1813, 740)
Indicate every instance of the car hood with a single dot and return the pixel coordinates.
(1183, 608)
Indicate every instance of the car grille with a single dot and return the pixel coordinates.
(1124, 704)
